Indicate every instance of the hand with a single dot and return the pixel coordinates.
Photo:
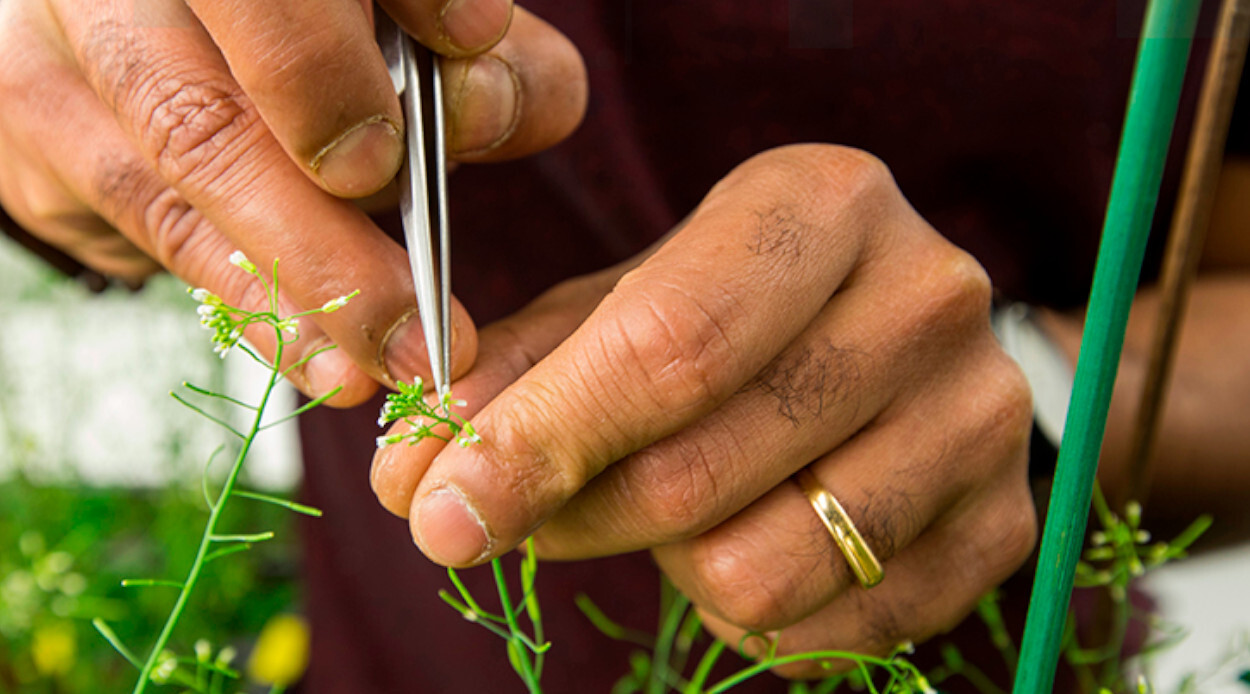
(153, 133)
(804, 316)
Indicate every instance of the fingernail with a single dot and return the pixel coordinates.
(402, 350)
(362, 160)
(487, 106)
(472, 25)
(449, 530)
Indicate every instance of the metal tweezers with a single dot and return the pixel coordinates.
(423, 188)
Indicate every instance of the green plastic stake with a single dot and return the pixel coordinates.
(1162, 56)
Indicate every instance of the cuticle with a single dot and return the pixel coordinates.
(380, 358)
(315, 162)
(513, 123)
(445, 38)
(302, 371)
(448, 488)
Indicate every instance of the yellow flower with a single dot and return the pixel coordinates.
(53, 648)
(281, 653)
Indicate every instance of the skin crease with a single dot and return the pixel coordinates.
(613, 406)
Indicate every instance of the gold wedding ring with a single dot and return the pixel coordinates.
(861, 559)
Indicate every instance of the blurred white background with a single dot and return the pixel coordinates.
(85, 382)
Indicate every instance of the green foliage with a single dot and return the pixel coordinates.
(680, 638)
(63, 559)
(526, 650)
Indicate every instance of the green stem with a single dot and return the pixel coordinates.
(505, 599)
(660, 664)
(210, 530)
(1111, 673)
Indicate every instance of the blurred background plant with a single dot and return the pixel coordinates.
(100, 480)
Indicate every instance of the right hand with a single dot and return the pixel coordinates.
(140, 134)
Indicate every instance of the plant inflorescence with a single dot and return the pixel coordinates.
(207, 670)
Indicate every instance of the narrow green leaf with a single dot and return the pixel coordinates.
(302, 409)
(247, 537)
(148, 582)
(109, 635)
(1190, 535)
(308, 357)
(468, 598)
(213, 394)
(210, 665)
(276, 501)
(220, 422)
(704, 669)
(609, 628)
(232, 549)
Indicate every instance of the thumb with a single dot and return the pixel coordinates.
(506, 350)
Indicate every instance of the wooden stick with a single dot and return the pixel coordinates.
(1162, 57)
(1189, 228)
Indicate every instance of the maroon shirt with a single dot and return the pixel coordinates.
(999, 120)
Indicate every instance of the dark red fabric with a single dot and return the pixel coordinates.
(999, 120)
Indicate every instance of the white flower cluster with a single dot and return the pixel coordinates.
(409, 404)
(218, 318)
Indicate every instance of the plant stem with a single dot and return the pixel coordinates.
(210, 529)
(525, 668)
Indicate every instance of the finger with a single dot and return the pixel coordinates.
(525, 95)
(775, 562)
(931, 586)
(30, 189)
(455, 28)
(120, 190)
(507, 349)
(317, 78)
(174, 98)
(675, 338)
(809, 400)
(41, 205)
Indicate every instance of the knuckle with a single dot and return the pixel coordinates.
(176, 231)
(191, 119)
(1007, 536)
(682, 492)
(734, 588)
(821, 171)
(678, 346)
(956, 290)
(1008, 407)
(195, 129)
(1018, 534)
(534, 456)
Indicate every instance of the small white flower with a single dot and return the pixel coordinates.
(239, 260)
(226, 655)
(203, 650)
(165, 669)
(384, 441)
(290, 326)
(334, 304)
(201, 294)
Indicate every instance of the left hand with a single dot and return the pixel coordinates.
(804, 316)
